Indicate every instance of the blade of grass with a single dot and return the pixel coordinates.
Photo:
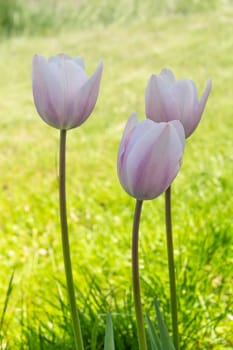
(94, 333)
(8, 293)
(166, 343)
(153, 336)
(109, 336)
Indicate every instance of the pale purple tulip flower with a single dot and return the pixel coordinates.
(169, 99)
(64, 96)
(149, 156)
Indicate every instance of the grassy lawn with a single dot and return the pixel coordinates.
(197, 46)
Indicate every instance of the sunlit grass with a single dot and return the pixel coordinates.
(100, 213)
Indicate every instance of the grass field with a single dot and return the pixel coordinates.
(198, 45)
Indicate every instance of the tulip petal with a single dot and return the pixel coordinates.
(168, 99)
(204, 98)
(40, 73)
(72, 77)
(59, 58)
(167, 74)
(79, 60)
(142, 160)
(179, 130)
(88, 95)
(160, 163)
(130, 125)
(185, 93)
(138, 156)
(160, 104)
(63, 94)
(151, 157)
(169, 150)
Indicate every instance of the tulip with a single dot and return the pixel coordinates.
(149, 156)
(64, 96)
(169, 99)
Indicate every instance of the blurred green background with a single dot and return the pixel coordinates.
(46, 16)
(134, 39)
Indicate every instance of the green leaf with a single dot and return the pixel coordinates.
(166, 343)
(109, 336)
(8, 293)
(153, 336)
(94, 333)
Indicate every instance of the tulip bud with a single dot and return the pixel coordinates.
(63, 94)
(149, 156)
(169, 99)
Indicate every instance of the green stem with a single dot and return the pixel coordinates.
(171, 267)
(136, 281)
(66, 245)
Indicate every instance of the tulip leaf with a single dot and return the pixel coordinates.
(8, 293)
(94, 334)
(166, 343)
(153, 336)
(109, 336)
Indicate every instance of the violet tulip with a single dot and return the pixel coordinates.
(64, 97)
(63, 94)
(169, 99)
(149, 156)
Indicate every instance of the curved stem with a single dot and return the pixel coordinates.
(65, 243)
(136, 281)
(171, 268)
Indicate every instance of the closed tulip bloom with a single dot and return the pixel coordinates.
(169, 99)
(149, 156)
(64, 96)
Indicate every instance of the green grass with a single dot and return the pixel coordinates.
(100, 213)
(49, 16)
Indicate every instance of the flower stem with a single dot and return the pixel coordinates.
(171, 267)
(65, 243)
(136, 281)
